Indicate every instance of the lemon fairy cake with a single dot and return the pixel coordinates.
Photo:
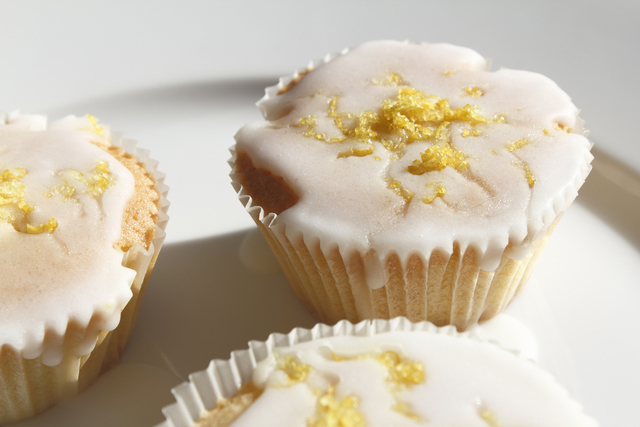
(407, 179)
(381, 373)
(82, 213)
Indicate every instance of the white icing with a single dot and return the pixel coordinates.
(76, 271)
(463, 377)
(347, 202)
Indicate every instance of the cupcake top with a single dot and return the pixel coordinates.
(62, 200)
(405, 378)
(394, 146)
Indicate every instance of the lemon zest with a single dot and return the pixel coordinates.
(48, 226)
(490, 418)
(95, 127)
(474, 92)
(391, 79)
(296, 370)
(439, 191)
(332, 412)
(517, 144)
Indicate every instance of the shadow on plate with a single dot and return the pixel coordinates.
(180, 100)
(203, 301)
(610, 187)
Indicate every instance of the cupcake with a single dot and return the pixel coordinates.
(402, 179)
(82, 213)
(375, 373)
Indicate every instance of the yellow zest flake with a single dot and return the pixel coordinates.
(468, 132)
(474, 92)
(490, 418)
(401, 372)
(95, 127)
(310, 122)
(399, 189)
(471, 114)
(436, 158)
(546, 132)
(448, 73)
(66, 190)
(97, 182)
(331, 412)
(531, 179)
(405, 410)
(518, 144)
(494, 152)
(296, 371)
(48, 226)
(101, 178)
(376, 158)
(358, 152)
(392, 79)
(13, 207)
(11, 189)
(439, 191)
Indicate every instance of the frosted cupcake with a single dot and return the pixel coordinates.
(406, 179)
(380, 373)
(82, 214)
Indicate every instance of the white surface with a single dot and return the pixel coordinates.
(182, 77)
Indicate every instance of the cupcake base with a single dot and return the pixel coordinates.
(443, 289)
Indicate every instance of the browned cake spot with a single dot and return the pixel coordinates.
(141, 214)
(562, 128)
(267, 190)
(227, 410)
(294, 81)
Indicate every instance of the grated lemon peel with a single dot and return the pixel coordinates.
(330, 412)
(513, 146)
(401, 374)
(474, 92)
(95, 127)
(439, 191)
(296, 370)
(411, 116)
(490, 418)
(391, 79)
(333, 412)
(13, 207)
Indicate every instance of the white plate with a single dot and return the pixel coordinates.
(203, 301)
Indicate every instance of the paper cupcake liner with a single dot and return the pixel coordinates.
(223, 379)
(442, 288)
(29, 386)
(459, 287)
